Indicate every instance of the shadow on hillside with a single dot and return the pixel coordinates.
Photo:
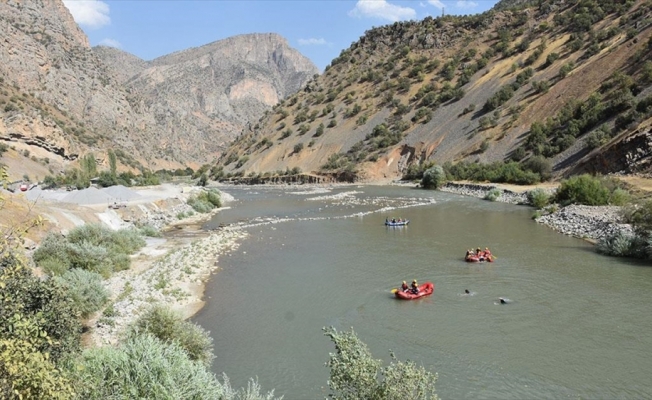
(572, 160)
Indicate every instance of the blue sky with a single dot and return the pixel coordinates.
(319, 29)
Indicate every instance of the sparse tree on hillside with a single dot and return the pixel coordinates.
(113, 163)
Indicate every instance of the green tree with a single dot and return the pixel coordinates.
(583, 189)
(355, 374)
(113, 163)
(433, 177)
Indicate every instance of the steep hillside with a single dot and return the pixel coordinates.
(67, 99)
(554, 80)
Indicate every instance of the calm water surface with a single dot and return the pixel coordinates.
(578, 325)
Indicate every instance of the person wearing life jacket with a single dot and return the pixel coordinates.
(487, 253)
(480, 254)
(405, 287)
(469, 253)
(415, 287)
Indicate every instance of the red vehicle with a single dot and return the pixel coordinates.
(425, 289)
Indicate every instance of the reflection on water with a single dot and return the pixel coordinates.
(576, 323)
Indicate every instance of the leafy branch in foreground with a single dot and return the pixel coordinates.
(355, 374)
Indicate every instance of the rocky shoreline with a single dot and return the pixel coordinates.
(585, 222)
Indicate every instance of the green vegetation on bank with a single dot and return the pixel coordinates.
(88, 247)
(205, 201)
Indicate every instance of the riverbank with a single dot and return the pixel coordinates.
(585, 222)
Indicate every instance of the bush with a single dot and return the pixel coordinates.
(539, 165)
(167, 326)
(618, 245)
(493, 194)
(582, 189)
(143, 367)
(639, 216)
(619, 197)
(205, 201)
(26, 300)
(355, 374)
(433, 177)
(91, 247)
(27, 373)
(85, 289)
(149, 231)
(538, 198)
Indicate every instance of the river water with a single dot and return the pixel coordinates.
(577, 325)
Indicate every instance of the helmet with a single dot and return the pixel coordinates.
(478, 249)
(486, 248)
(414, 281)
(404, 282)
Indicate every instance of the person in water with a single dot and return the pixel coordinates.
(466, 291)
(502, 301)
(405, 287)
(415, 287)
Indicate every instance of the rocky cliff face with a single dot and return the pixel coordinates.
(208, 94)
(177, 110)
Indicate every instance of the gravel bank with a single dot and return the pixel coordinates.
(168, 273)
(586, 222)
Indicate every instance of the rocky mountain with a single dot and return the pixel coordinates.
(62, 98)
(558, 81)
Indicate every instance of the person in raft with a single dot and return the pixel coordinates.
(415, 287)
(487, 253)
(405, 287)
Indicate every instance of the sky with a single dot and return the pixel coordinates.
(319, 29)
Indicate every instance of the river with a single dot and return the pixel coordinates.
(577, 324)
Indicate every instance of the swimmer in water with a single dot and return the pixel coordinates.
(502, 301)
(466, 291)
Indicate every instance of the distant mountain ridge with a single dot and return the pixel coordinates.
(179, 109)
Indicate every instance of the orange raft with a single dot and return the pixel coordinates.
(424, 290)
(475, 258)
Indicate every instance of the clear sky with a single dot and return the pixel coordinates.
(319, 29)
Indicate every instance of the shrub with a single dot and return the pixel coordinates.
(582, 189)
(493, 194)
(205, 201)
(85, 290)
(149, 231)
(538, 198)
(143, 367)
(539, 165)
(619, 245)
(619, 197)
(355, 374)
(298, 147)
(433, 177)
(27, 373)
(91, 247)
(639, 216)
(167, 326)
(26, 300)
